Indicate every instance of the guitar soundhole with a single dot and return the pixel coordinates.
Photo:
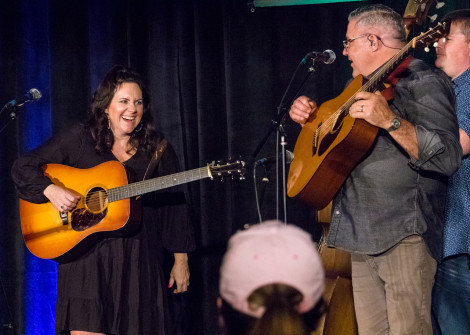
(95, 210)
(339, 121)
(96, 200)
(331, 136)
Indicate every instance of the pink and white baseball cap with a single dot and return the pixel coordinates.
(270, 253)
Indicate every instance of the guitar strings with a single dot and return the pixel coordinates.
(97, 198)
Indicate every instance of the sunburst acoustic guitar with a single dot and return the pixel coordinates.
(104, 208)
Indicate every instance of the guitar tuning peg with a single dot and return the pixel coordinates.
(432, 18)
(439, 4)
(435, 44)
(426, 48)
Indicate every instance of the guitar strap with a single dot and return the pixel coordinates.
(392, 80)
(155, 158)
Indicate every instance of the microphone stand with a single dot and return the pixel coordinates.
(277, 124)
(284, 177)
(11, 110)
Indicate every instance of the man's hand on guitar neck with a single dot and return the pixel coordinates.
(373, 108)
(62, 199)
(302, 109)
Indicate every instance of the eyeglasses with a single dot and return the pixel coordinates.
(347, 42)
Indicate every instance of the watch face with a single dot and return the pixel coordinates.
(396, 123)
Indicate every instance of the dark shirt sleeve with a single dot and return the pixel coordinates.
(176, 230)
(27, 171)
(430, 106)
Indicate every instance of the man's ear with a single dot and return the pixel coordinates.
(374, 41)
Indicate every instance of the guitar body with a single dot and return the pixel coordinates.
(327, 150)
(106, 207)
(48, 236)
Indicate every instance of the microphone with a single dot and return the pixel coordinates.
(32, 95)
(327, 56)
(270, 160)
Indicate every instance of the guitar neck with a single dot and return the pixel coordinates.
(381, 75)
(378, 78)
(155, 184)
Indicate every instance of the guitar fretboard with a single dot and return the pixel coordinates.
(155, 184)
(379, 77)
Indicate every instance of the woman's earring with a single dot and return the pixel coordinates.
(109, 121)
(140, 128)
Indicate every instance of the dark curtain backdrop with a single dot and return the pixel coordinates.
(216, 70)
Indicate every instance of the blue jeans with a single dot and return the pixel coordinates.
(451, 297)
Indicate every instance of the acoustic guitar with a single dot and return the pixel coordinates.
(331, 144)
(104, 207)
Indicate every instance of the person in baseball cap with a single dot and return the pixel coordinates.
(271, 281)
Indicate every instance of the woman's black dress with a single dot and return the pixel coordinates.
(117, 286)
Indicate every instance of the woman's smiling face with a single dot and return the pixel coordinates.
(125, 110)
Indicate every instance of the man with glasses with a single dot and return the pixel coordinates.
(389, 212)
(451, 292)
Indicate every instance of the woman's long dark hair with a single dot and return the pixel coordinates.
(145, 137)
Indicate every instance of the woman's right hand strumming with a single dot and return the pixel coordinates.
(62, 199)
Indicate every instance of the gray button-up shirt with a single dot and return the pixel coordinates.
(389, 196)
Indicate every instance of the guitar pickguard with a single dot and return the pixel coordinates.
(82, 219)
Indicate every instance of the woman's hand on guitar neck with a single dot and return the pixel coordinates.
(302, 109)
(62, 199)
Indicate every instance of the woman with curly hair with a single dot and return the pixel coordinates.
(116, 286)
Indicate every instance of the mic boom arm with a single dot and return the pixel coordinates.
(10, 107)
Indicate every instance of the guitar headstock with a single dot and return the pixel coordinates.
(415, 13)
(219, 169)
(432, 35)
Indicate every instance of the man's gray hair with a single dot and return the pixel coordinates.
(380, 15)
